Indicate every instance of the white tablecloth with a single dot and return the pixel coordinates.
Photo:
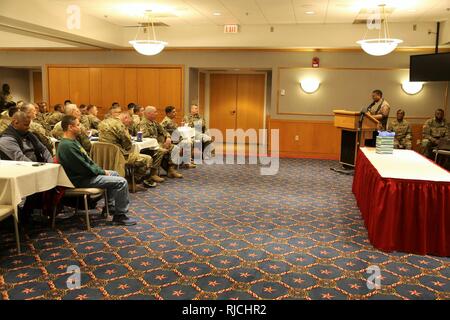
(149, 143)
(186, 132)
(19, 179)
(406, 164)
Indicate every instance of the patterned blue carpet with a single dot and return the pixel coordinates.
(223, 232)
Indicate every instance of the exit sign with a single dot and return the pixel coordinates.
(231, 28)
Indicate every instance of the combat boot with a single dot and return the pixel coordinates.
(172, 173)
(154, 176)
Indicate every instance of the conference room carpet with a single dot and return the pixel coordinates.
(223, 232)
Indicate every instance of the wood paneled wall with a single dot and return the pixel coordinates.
(307, 139)
(158, 86)
(317, 139)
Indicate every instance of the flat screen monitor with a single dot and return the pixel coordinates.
(430, 67)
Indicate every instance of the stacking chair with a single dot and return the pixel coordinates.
(109, 157)
(86, 193)
(5, 212)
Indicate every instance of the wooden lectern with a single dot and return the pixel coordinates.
(348, 122)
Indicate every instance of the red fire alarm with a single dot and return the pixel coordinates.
(315, 62)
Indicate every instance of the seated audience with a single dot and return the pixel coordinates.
(133, 128)
(433, 130)
(42, 115)
(161, 157)
(82, 137)
(171, 126)
(138, 114)
(36, 128)
(402, 129)
(114, 130)
(84, 173)
(195, 120)
(92, 116)
(19, 144)
(5, 118)
(5, 97)
(55, 116)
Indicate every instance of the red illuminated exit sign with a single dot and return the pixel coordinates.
(231, 28)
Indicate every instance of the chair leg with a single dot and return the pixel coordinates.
(16, 230)
(86, 207)
(54, 216)
(76, 205)
(133, 180)
(106, 204)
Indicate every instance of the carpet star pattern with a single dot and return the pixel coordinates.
(225, 232)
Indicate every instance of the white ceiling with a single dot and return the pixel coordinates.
(258, 12)
(110, 24)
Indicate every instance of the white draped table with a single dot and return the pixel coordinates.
(19, 179)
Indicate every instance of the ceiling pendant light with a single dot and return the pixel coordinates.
(148, 46)
(380, 46)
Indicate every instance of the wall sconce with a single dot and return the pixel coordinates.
(412, 87)
(310, 85)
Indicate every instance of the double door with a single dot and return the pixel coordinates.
(237, 101)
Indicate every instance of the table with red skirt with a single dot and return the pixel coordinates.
(404, 199)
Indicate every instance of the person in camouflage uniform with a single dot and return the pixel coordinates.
(92, 116)
(195, 120)
(114, 130)
(36, 128)
(90, 120)
(402, 129)
(5, 119)
(171, 127)
(433, 130)
(83, 137)
(54, 117)
(163, 156)
(42, 115)
(133, 128)
(138, 114)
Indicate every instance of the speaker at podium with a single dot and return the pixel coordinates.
(355, 128)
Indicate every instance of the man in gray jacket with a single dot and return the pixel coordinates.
(19, 144)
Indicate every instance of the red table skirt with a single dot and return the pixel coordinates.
(410, 216)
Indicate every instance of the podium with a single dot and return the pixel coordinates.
(348, 122)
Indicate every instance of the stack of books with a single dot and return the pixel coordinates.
(385, 142)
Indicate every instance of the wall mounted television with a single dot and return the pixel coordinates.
(430, 67)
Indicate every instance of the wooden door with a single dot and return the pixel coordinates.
(95, 91)
(130, 86)
(58, 86)
(148, 87)
(223, 95)
(170, 92)
(250, 101)
(113, 89)
(37, 87)
(79, 85)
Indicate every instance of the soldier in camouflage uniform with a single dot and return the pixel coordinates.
(133, 128)
(5, 119)
(42, 115)
(36, 128)
(54, 117)
(163, 156)
(83, 137)
(114, 130)
(138, 114)
(433, 130)
(90, 120)
(170, 126)
(195, 120)
(92, 117)
(402, 129)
